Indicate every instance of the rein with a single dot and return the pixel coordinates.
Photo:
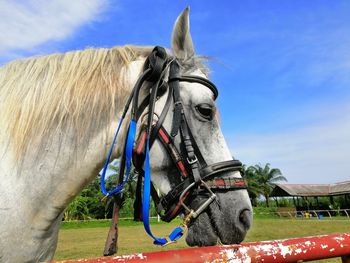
(195, 176)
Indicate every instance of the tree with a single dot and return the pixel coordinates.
(88, 204)
(77, 209)
(266, 178)
(253, 187)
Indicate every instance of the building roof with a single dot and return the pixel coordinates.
(311, 189)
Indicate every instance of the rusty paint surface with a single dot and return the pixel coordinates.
(286, 250)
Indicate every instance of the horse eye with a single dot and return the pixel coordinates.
(205, 110)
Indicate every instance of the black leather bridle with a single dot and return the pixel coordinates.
(193, 171)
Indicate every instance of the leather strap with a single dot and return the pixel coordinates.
(197, 79)
(226, 183)
(178, 109)
(174, 154)
(189, 150)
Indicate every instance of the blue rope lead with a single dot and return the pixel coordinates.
(128, 153)
(177, 232)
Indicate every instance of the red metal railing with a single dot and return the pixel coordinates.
(287, 250)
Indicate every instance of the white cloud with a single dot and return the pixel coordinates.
(27, 24)
(315, 153)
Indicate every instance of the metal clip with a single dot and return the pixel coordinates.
(105, 199)
(186, 220)
(168, 242)
(181, 198)
(194, 160)
(178, 103)
(193, 214)
(183, 226)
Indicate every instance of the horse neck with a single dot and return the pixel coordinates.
(34, 197)
(64, 167)
(36, 192)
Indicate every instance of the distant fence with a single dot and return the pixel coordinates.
(316, 213)
(287, 250)
(312, 213)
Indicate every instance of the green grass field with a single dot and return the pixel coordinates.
(86, 240)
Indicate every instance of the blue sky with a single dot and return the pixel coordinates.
(282, 67)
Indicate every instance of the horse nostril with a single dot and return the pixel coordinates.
(245, 217)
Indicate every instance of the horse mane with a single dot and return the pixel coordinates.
(45, 96)
(77, 93)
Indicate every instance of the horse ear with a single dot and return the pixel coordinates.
(181, 39)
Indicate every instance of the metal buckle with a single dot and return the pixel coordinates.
(168, 242)
(183, 226)
(105, 198)
(178, 103)
(194, 214)
(186, 220)
(194, 160)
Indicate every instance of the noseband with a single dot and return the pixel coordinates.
(195, 176)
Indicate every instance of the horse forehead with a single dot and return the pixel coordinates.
(196, 92)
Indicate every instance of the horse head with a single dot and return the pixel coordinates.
(187, 121)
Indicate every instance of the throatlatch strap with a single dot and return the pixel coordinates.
(138, 200)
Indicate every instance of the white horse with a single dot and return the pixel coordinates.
(58, 116)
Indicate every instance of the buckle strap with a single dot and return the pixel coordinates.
(227, 183)
(191, 156)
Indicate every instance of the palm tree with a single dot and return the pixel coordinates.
(266, 178)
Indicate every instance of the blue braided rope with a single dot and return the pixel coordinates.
(128, 153)
(177, 232)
